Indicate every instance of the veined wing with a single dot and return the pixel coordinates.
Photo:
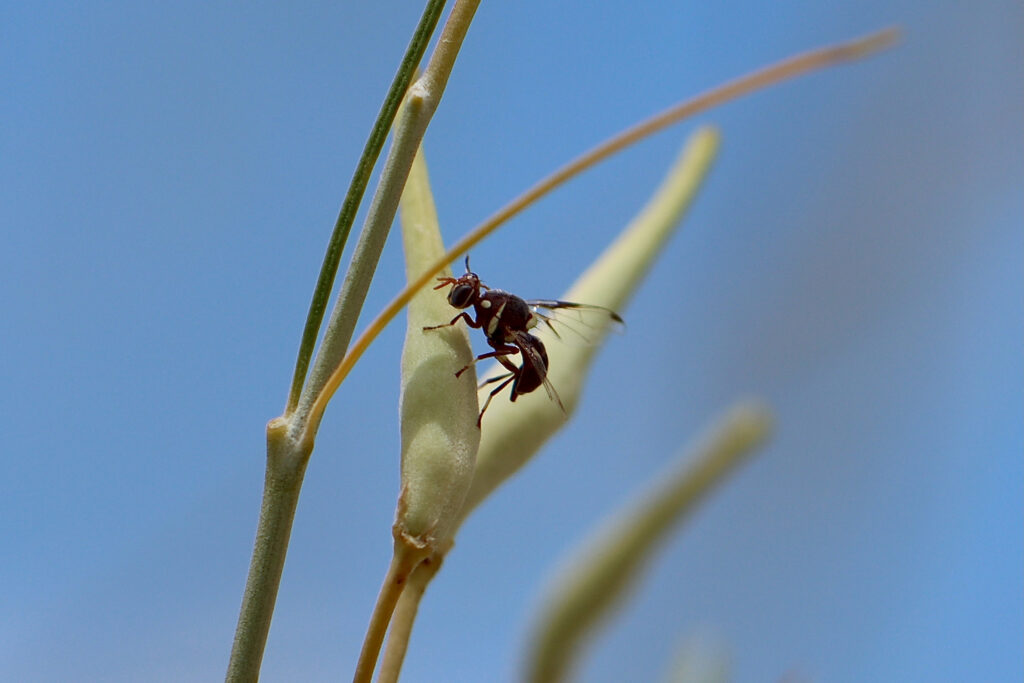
(582, 322)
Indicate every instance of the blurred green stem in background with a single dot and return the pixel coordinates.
(596, 578)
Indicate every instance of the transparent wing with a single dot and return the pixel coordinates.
(570, 321)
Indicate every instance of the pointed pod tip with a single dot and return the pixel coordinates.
(752, 418)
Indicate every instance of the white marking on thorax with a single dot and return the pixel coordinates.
(484, 303)
(495, 319)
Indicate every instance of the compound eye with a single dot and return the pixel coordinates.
(460, 296)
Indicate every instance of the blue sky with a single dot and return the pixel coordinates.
(170, 174)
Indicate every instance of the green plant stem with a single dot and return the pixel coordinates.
(287, 458)
(422, 101)
(360, 179)
(280, 496)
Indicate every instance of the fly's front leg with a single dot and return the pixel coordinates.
(500, 354)
(461, 316)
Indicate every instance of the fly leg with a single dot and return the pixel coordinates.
(461, 316)
(494, 392)
(500, 354)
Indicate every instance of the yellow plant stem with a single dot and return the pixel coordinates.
(769, 75)
(404, 560)
(405, 617)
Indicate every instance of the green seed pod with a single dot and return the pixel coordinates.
(438, 411)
